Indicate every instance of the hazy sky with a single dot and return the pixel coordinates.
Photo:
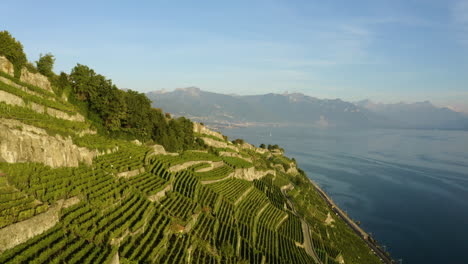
(388, 51)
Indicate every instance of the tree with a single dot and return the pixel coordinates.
(61, 82)
(13, 51)
(45, 64)
(137, 119)
(238, 141)
(262, 146)
(108, 102)
(84, 82)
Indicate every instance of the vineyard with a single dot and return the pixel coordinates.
(243, 220)
(132, 205)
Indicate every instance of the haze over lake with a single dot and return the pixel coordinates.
(409, 188)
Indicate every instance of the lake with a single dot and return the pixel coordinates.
(409, 188)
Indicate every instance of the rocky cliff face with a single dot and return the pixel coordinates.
(6, 66)
(199, 128)
(35, 79)
(16, 100)
(20, 232)
(218, 144)
(250, 174)
(24, 143)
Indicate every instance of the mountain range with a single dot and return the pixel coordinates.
(300, 109)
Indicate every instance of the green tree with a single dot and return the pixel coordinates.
(45, 64)
(84, 82)
(61, 82)
(238, 141)
(137, 119)
(108, 102)
(13, 51)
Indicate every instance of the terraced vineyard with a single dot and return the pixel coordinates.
(225, 222)
(131, 204)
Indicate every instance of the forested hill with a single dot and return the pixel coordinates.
(93, 174)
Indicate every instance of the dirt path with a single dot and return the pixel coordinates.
(308, 243)
(307, 239)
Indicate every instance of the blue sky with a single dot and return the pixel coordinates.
(388, 51)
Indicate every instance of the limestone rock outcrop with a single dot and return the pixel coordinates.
(199, 128)
(250, 174)
(235, 155)
(24, 89)
(35, 79)
(6, 66)
(20, 232)
(160, 150)
(16, 100)
(218, 144)
(20, 142)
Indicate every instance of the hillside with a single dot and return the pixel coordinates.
(300, 109)
(81, 182)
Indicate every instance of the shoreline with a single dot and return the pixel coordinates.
(356, 228)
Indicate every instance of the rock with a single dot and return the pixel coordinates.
(17, 233)
(6, 66)
(25, 89)
(16, 100)
(213, 166)
(189, 164)
(292, 170)
(159, 150)
(261, 150)
(35, 79)
(250, 174)
(63, 115)
(246, 145)
(136, 142)
(11, 99)
(201, 129)
(218, 144)
(25, 143)
(128, 174)
(160, 194)
(234, 154)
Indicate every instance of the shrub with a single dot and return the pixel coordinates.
(238, 141)
(45, 64)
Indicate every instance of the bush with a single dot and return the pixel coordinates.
(238, 141)
(45, 64)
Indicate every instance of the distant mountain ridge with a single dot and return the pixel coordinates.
(422, 115)
(300, 109)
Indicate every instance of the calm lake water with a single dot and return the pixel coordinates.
(409, 188)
